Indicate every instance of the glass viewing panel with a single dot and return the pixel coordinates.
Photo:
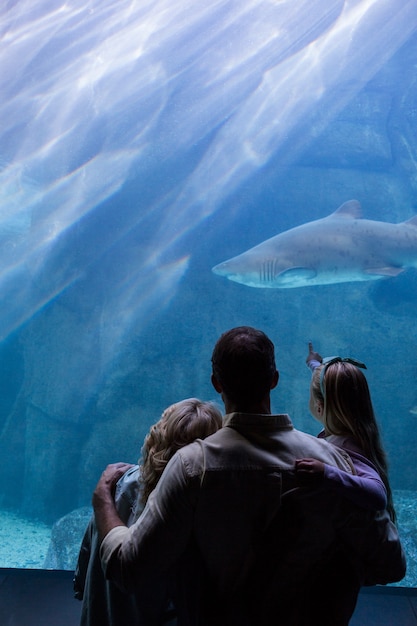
(143, 144)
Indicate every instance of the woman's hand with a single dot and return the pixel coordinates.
(313, 356)
(309, 472)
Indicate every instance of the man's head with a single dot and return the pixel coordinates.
(244, 368)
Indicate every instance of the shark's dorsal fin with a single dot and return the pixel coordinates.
(350, 209)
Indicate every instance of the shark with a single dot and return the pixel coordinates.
(342, 247)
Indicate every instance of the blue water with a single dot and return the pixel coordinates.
(142, 143)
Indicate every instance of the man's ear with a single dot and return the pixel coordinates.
(216, 384)
(275, 379)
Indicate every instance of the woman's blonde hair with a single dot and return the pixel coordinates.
(180, 424)
(347, 410)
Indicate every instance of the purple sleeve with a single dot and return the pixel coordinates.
(313, 364)
(366, 489)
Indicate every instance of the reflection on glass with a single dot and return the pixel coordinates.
(142, 144)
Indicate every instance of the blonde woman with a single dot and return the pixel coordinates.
(340, 400)
(103, 602)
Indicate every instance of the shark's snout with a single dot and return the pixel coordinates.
(220, 269)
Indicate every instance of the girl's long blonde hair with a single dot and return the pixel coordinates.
(348, 410)
(180, 424)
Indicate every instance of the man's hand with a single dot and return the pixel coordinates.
(103, 503)
(108, 480)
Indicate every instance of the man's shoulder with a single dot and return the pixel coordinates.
(224, 446)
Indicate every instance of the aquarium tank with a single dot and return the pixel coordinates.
(144, 144)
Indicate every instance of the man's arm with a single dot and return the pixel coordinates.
(130, 556)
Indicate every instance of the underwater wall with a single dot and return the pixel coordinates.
(144, 143)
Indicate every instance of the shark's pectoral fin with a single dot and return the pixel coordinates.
(294, 275)
(385, 271)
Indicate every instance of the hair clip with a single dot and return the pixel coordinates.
(329, 360)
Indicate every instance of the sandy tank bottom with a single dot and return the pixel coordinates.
(23, 543)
